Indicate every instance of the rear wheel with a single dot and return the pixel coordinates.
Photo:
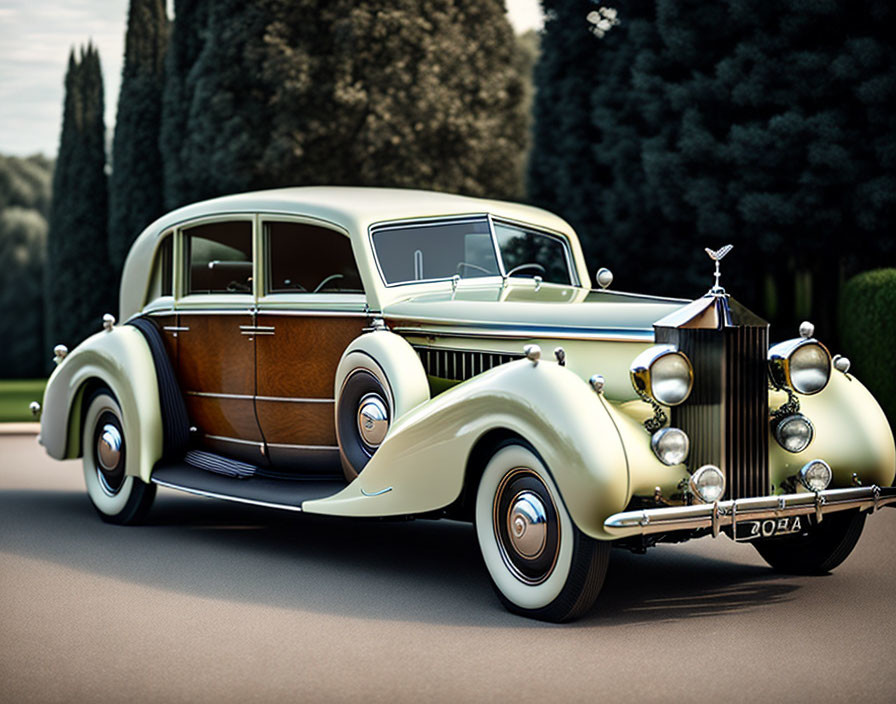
(820, 550)
(116, 496)
(542, 566)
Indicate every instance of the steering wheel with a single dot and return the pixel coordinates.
(522, 267)
(474, 266)
(331, 277)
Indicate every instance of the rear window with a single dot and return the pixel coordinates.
(432, 251)
(220, 257)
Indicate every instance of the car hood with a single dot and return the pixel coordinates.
(520, 311)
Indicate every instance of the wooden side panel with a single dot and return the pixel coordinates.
(214, 357)
(286, 422)
(299, 360)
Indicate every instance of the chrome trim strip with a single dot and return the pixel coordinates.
(225, 497)
(246, 397)
(288, 399)
(287, 446)
(235, 440)
(511, 333)
(264, 310)
(211, 394)
(377, 493)
(725, 513)
(213, 311)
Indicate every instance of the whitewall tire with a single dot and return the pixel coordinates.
(117, 497)
(540, 563)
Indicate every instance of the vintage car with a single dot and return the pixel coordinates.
(396, 353)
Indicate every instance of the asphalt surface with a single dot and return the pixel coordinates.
(217, 602)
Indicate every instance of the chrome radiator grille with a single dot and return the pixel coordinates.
(726, 416)
(460, 365)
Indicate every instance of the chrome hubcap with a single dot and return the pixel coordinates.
(108, 447)
(373, 420)
(527, 525)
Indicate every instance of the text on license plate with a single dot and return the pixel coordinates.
(769, 528)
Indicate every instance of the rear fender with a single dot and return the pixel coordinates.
(421, 466)
(120, 360)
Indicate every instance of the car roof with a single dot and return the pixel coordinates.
(353, 209)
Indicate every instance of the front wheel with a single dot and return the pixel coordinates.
(820, 550)
(542, 566)
(116, 496)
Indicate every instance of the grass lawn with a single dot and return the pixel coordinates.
(16, 394)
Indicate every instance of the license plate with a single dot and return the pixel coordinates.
(770, 527)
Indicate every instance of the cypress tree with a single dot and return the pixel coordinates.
(77, 276)
(188, 33)
(135, 185)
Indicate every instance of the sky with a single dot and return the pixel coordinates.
(35, 39)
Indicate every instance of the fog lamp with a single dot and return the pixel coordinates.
(670, 445)
(815, 475)
(794, 433)
(708, 483)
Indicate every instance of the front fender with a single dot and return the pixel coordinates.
(852, 435)
(421, 465)
(121, 360)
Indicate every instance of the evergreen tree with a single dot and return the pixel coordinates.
(768, 125)
(406, 93)
(135, 185)
(188, 33)
(24, 199)
(78, 286)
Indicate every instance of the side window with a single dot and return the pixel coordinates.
(309, 259)
(162, 269)
(220, 257)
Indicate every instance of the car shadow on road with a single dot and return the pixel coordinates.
(426, 571)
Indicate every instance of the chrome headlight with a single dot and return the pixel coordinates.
(794, 433)
(708, 483)
(664, 373)
(815, 475)
(800, 364)
(670, 445)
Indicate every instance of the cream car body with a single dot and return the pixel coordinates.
(431, 345)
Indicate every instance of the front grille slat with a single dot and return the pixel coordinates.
(726, 416)
(459, 365)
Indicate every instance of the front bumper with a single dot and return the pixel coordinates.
(728, 513)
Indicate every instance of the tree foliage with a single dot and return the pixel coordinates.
(135, 185)
(402, 93)
(77, 274)
(868, 332)
(24, 199)
(768, 125)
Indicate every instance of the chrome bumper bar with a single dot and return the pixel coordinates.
(728, 513)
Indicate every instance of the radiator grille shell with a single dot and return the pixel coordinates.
(726, 416)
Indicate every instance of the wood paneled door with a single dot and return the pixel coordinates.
(216, 370)
(297, 356)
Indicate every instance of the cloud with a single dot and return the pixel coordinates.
(35, 39)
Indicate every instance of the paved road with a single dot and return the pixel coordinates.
(217, 602)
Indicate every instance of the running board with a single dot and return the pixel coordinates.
(287, 494)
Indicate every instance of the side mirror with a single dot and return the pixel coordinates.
(604, 277)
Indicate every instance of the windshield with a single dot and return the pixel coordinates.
(427, 251)
(440, 250)
(529, 253)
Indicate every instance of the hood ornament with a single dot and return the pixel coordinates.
(717, 255)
